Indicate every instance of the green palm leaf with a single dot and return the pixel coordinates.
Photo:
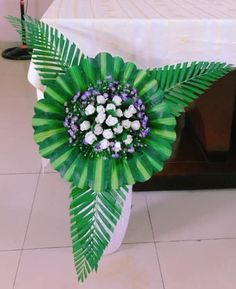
(93, 218)
(52, 54)
(184, 83)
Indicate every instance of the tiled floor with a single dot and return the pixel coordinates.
(175, 240)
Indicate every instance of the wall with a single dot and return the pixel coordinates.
(11, 7)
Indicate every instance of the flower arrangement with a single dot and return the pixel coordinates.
(107, 120)
(105, 124)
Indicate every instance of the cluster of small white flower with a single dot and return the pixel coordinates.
(113, 121)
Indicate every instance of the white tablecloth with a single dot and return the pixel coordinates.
(149, 32)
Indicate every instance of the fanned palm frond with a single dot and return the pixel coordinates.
(52, 54)
(93, 218)
(183, 83)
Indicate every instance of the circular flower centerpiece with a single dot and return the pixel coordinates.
(104, 124)
(108, 119)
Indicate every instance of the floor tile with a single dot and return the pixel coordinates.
(17, 110)
(49, 225)
(18, 153)
(13, 68)
(139, 229)
(46, 268)
(13, 86)
(191, 215)
(16, 196)
(198, 265)
(8, 267)
(133, 267)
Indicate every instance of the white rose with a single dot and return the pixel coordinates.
(98, 129)
(85, 125)
(110, 106)
(101, 99)
(118, 129)
(90, 109)
(100, 118)
(119, 112)
(117, 146)
(117, 100)
(100, 109)
(135, 125)
(90, 138)
(128, 113)
(128, 139)
(104, 144)
(107, 133)
(126, 124)
(132, 109)
(111, 121)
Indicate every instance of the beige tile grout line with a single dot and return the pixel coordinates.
(124, 243)
(155, 244)
(19, 173)
(26, 231)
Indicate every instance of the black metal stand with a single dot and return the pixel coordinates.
(19, 53)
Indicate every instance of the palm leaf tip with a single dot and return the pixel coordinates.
(184, 83)
(93, 218)
(53, 54)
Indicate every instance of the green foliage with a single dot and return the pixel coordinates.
(52, 54)
(93, 218)
(184, 83)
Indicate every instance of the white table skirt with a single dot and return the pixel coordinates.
(149, 32)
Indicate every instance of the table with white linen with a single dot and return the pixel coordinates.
(150, 33)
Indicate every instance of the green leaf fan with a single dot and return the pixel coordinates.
(105, 124)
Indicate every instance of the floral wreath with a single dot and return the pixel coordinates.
(105, 124)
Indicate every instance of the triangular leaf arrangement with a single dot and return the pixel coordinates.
(184, 83)
(52, 53)
(93, 219)
(166, 92)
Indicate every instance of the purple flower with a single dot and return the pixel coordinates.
(140, 114)
(133, 91)
(97, 147)
(144, 124)
(138, 103)
(83, 97)
(66, 122)
(87, 93)
(145, 132)
(71, 133)
(95, 92)
(74, 128)
(85, 142)
(105, 95)
(131, 150)
(124, 96)
(144, 121)
(115, 156)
